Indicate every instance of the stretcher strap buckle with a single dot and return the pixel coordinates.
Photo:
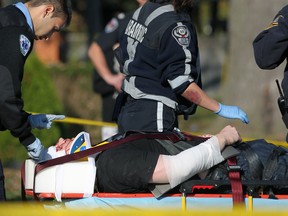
(234, 168)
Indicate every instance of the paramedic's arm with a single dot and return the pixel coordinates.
(196, 95)
(12, 115)
(271, 45)
(180, 69)
(98, 60)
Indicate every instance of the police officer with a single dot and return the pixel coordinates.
(271, 45)
(20, 24)
(107, 80)
(160, 59)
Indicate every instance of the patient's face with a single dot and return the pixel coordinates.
(64, 144)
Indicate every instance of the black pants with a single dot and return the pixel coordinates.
(146, 115)
(108, 103)
(128, 168)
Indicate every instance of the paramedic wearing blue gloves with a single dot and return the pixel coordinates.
(160, 59)
(20, 24)
(271, 46)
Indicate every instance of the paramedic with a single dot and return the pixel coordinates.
(20, 24)
(107, 80)
(271, 46)
(160, 60)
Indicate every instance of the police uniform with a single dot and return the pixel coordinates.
(106, 41)
(271, 46)
(16, 38)
(159, 55)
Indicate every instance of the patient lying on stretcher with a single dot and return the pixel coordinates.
(132, 167)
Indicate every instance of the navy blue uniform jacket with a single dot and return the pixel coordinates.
(271, 45)
(16, 42)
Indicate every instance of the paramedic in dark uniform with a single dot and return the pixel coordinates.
(271, 46)
(20, 24)
(160, 59)
(107, 80)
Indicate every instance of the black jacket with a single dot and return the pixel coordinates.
(16, 42)
(271, 45)
(160, 55)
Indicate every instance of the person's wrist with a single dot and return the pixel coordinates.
(108, 76)
(221, 140)
(217, 111)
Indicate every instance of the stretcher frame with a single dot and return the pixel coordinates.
(189, 189)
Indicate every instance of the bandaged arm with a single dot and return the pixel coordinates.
(192, 161)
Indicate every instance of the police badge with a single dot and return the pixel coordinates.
(25, 45)
(181, 35)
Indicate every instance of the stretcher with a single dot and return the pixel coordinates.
(191, 195)
(72, 183)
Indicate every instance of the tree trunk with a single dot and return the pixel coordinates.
(244, 84)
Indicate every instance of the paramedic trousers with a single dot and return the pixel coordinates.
(146, 116)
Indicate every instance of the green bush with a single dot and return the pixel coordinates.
(39, 96)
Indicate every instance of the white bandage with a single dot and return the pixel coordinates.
(190, 162)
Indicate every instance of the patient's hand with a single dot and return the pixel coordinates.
(64, 144)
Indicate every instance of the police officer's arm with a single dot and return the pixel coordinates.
(271, 45)
(105, 43)
(98, 60)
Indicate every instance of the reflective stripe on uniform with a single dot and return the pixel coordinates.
(130, 88)
(160, 117)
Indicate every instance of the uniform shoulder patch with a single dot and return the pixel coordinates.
(181, 35)
(25, 45)
(275, 22)
(112, 25)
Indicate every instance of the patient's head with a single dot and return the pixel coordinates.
(64, 144)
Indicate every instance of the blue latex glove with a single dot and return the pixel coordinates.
(43, 121)
(36, 150)
(232, 112)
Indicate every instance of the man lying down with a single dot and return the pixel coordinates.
(135, 166)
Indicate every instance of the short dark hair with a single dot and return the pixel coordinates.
(184, 5)
(63, 8)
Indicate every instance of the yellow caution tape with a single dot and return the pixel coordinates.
(71, 120)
